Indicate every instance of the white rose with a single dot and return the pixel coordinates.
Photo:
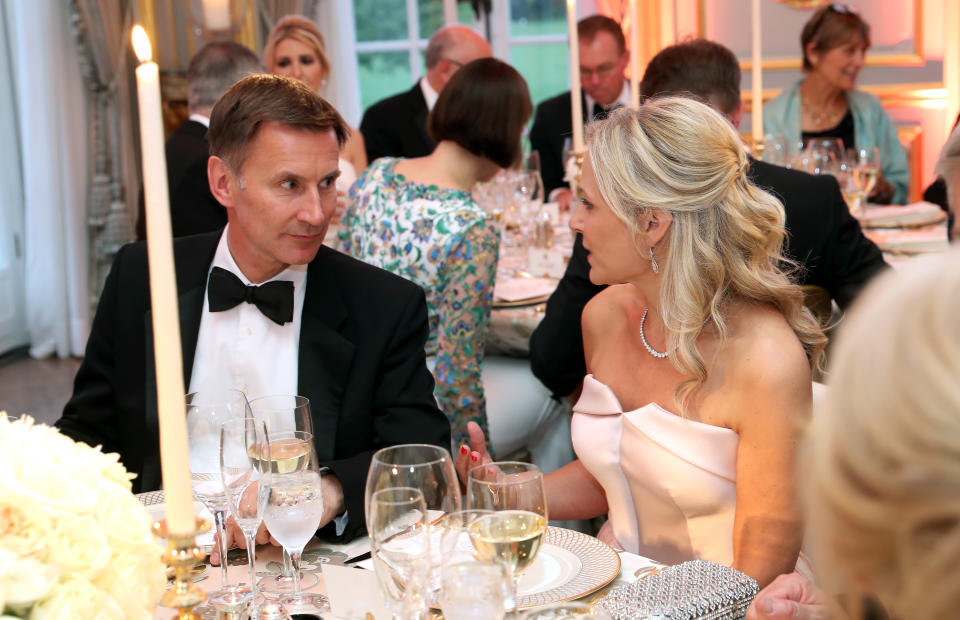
(122, 516)
(23, 528)
(54, 488)
(135, 580)
(79, 546)
(24, 580)
(76, 598)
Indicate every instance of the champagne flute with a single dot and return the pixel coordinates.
(284, 413)
(513, 533)
(245, 472)
(207, 410)
(420, 466)
(400, 548)
(294, 508)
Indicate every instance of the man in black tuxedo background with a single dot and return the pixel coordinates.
(397, 126)
(603, 59)
(193, 209)
(822, 237)
(265, 308)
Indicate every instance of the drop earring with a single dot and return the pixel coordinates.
(653, 262)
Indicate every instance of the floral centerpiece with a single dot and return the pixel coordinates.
(74, 541)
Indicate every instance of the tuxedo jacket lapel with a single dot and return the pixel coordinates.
(325, 355)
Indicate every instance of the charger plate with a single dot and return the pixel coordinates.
(569, 565)
(520, 303)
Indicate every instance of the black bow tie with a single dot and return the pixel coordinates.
(601, 113)
(273, 299)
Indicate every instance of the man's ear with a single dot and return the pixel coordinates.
(222, 182)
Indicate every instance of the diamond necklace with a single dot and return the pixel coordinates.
(643, 338)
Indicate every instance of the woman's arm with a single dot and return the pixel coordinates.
(770, 391)
(573, 493)
(354, 150)
(463, 317)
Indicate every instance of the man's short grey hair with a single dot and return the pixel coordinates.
(444, 41)
(214, 69)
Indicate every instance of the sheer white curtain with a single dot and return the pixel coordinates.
(335, 19)
(52, 121)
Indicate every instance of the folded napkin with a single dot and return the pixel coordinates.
(911, 241)
(915, 214)
(516, 289)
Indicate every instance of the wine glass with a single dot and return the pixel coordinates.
(294, 505)
(400, 548)
(245, 473)
(823, 153)
(207, 410)
(284, 413)
(513, 533)
(866, 169)
(421, 466)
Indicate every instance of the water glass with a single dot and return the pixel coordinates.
(207, 411)
(245, 473)
(400, 549)
(294, 507)
(283, 413)
(474, 591)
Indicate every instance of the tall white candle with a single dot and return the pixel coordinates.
(756, 73)
(216, 14)
(634, 56)
(174, 456)
(576, 107)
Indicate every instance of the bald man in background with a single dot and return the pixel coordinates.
(397, 126)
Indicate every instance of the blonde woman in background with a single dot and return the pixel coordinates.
(883, 461)
(699, 366)
(295, 48)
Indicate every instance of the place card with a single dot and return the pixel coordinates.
(354, 592)
(549, 263)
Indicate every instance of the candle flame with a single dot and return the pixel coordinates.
(141, 43)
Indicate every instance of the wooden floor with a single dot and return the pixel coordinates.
(37, 387)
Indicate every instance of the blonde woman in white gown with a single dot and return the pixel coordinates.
(698, 355)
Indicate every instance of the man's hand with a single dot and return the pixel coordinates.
(790, 597)
(333, 505)
(563, 198)
(882, 192)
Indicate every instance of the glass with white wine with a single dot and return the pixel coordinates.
(866, 169)
(514, 531)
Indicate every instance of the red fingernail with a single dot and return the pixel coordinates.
(474, 457)
(464, 449)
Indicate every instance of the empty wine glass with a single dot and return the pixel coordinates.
(513, 533)
(421, 466)
(245, 473)
(400, 549)
(284, 413)
(823, 153)
(207, 410)
(294, 505)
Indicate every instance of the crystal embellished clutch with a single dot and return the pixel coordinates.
(695, 590)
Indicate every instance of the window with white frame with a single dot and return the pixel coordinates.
(392, 36)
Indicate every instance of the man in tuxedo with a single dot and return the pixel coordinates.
(193, 209)
(266, 309)
(603, 59)
(397, 126)
(823, 238)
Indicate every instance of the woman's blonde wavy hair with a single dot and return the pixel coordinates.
(883, 459)
(678, 155)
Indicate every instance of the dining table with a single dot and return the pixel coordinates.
(570, 566)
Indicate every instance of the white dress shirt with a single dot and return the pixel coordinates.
(428, 93)
(623, 100)
(242, 349)
(200, 118)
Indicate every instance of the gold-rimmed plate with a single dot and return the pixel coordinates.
(569, 565)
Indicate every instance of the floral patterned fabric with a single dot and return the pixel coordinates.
(443, 241)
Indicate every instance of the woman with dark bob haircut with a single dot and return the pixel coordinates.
(417, 219)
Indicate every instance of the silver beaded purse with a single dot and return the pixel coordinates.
(695, 590)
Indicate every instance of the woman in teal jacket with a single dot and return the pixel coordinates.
(826, 103)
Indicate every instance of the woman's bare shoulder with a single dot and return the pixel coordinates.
(614, 303)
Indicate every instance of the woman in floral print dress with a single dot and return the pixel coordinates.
(416, 218)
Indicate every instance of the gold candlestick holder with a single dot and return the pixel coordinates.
(182, 553)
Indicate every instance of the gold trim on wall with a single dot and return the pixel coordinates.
(876, 60)
(911, 137)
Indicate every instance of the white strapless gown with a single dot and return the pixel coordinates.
(670, 482)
